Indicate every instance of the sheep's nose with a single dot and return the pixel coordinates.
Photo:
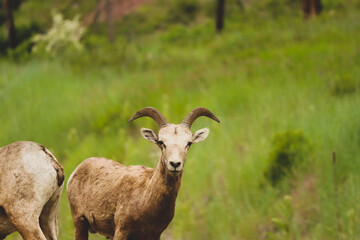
(175, 164)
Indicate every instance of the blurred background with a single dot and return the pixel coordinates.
(283, 76)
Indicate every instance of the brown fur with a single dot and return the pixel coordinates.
(146, 200)
(29, 192)
(135, 202)
(57, 166)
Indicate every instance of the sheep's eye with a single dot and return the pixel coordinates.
(188, 144)
(161, 143)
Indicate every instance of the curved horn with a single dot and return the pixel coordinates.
(198, 112)
(153, 113)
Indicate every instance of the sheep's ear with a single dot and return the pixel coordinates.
(149, 135)
(200, 135)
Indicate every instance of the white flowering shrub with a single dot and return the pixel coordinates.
(64, 34)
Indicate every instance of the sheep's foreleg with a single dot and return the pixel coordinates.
(81, 227)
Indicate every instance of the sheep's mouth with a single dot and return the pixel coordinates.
(175, 172)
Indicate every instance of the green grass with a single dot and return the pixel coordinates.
(259, 78)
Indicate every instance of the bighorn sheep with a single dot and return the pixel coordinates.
(31, 182)
(135, 202)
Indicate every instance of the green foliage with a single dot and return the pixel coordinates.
(22, 52)
(143, 21)
(289, 149)
(284, 221)
(14, 5)
(345, 85)
(261, 76)
(23, 35)
(335, 5)
(25, 32)
(175, 33)
(183, 11)
(276, 9)
(140, 22)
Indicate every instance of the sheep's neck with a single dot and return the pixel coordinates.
(163, 189)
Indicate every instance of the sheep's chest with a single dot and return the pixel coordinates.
(102, 223)
(144, 223)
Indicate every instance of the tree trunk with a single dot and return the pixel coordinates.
(241, 5)
(93, 24)
(10, 23)
(220, 14)
(311, 7)
(109, 20)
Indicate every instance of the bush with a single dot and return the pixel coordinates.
(23, 36)
(183, 11)
(175, 33)
(64, 34)
(276, 9)
(22, 52)
(143, 20)
(344, 85)
(289, 150)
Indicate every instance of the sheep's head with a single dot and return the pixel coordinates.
(174, 140)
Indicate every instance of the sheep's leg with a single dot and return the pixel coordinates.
(25, 219)
(48, 217)
(31, 231)
(81, 228)
(28, 227)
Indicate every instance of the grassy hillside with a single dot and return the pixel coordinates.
(262, 78)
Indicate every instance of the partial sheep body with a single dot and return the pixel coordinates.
(31, 183)
(135, 202)
(97, 203)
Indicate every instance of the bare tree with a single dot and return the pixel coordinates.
(311, 7)
(220, 15)
(10, 23)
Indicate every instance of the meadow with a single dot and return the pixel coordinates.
(262, 78)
